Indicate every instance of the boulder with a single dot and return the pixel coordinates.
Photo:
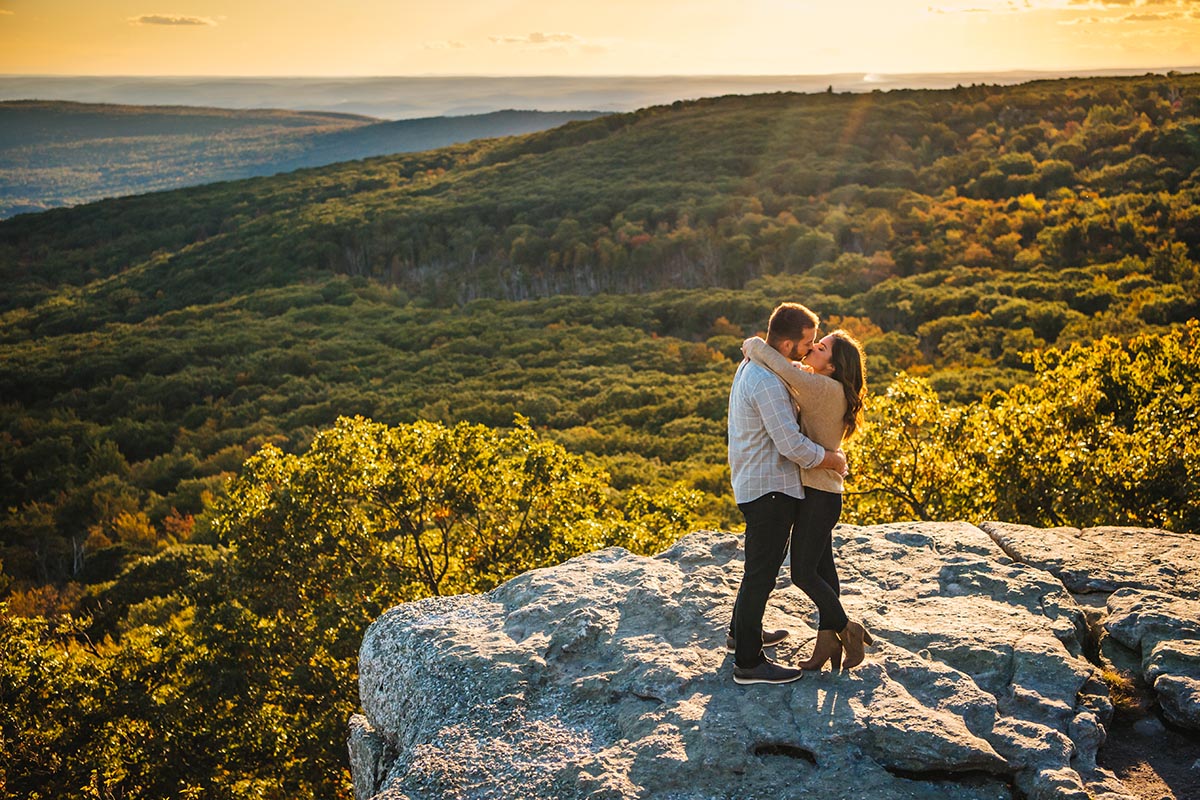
(1166, 631)
(607, 677)
(1147, 619)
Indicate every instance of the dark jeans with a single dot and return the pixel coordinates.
(769, 523)
(813, 570)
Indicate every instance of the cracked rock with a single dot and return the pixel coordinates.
(1149, 624)
(1107, 558)
(1166, 631)
(607, 677)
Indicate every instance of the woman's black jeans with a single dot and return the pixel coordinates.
(771, 521)
(813, 569)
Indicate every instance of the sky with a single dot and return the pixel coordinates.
(590, 37)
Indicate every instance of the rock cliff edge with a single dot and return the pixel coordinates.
(607, 677)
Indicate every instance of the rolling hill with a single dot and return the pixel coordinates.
(596, 278)
(59, 153)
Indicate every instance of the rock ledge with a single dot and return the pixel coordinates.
(606, 677)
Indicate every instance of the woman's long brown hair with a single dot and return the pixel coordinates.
(850, 370)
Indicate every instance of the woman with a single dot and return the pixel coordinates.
(828, 389)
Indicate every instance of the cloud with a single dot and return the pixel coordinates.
(1128, 4)
(943, 10)
(538, 39)
(446, 45)
(170, 19)
(1136, 10)
(1005, 7)
(556, 44)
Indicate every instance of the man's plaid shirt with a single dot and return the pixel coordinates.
(766, 448)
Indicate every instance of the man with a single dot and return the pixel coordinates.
(766, 451)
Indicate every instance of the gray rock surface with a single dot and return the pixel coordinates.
(1150, 620)
(606, 677)
(1108, 558)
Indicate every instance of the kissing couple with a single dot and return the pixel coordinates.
(793, 401)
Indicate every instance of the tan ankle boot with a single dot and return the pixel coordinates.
(854, 638)
(827, 648)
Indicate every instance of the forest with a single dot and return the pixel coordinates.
(238, 421)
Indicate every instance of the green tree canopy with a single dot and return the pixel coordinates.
(1106, 434)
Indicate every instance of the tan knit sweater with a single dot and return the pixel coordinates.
(822, 405)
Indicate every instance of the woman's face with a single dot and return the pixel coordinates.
(821, 356)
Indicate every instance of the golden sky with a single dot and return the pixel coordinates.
(590, 37)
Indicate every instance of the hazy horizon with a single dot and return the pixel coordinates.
(408, 97)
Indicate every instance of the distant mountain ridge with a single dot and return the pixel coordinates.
(411, 97)
(415, 135)
(717, 192)
(63, 153)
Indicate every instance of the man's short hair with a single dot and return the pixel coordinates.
(790, 321)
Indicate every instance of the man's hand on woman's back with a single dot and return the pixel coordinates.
(836, 461)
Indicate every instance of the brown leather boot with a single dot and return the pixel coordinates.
(828, 647)
(854, 638)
